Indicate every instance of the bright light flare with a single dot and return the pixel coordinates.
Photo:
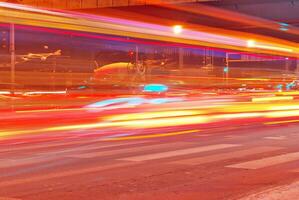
(177, 29)
(250, 43)
(4, 92)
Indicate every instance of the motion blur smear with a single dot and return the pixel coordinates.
(96, 77)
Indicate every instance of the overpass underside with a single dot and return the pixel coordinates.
(82, 4)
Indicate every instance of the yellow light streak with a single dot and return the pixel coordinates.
(276, 48)
(276, 98)
(281, 122)
(238, 115)
(289, 93)
(173, 118)
(276, 114)
(151, 136)
(147, 123)
(150, 115)
(253, 44)
(284, 107)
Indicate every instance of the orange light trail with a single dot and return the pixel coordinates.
(113, 26)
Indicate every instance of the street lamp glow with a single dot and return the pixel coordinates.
(177, 29)
(250, 43)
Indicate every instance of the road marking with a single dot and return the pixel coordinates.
(267, 162)
(203, 135)
(128, 150)
(93, 147)
(9, 163)
(42, 145)
(47, 157)
(53, 175)
(8, 198)
(179, 152)
(233, 136)
(295, 170)
(275, 137)
(226, 156)
(61, 144)
(151, 135)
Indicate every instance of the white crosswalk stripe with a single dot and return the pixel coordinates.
(128, 150)
(8, 163)
(93, 147)
(226, 156)
(181, 152)
(164, 150)
(41, 146)
(64, 144)
(38, 158)
(295, 170)
(267, 162)
(8, 198)
(53, 175)
(275, 138)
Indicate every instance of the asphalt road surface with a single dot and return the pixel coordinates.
(164, 148)
(223, 163)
